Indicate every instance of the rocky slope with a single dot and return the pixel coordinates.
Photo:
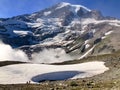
(75, 29)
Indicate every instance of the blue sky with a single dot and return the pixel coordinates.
(9, 8)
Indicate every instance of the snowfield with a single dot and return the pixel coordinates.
(20, 32)
(22, 73)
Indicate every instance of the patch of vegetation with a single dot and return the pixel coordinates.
(105, 46)
(5, 63)
(73, 83)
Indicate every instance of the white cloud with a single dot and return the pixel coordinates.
(51, 56)
(9, 54)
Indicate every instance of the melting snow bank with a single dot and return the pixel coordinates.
(21, 73)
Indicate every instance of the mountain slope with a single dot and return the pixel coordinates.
(75, 29)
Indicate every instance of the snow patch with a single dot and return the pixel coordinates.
(34, 25)
(19, 32)
(103, 37)
(22, 73)
(84, 55)
(108, 33)
(87, 46)
(63, 4)
(92, 20)
(47, 13)
(74, 8)
(86, 41)
(32, 15)
(77, 8)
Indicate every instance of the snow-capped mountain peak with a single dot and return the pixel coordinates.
(64, 25)
(62, 4)
(61, 10)
(75, 8)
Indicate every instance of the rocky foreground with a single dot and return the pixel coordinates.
(110, 80)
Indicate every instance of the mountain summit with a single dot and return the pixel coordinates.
(73, 29)
(63, 9)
